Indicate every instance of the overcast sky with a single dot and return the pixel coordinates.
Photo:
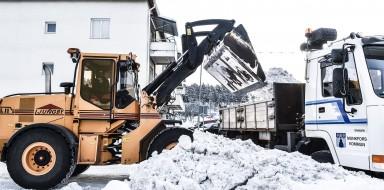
(276, 27)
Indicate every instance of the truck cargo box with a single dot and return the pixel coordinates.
(277, 114)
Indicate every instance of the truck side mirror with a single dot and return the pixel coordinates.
(340, 76)
(339, 56)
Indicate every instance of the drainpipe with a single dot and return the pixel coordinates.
(48, 71)
(149, 39)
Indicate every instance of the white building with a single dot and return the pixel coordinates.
(36, 32)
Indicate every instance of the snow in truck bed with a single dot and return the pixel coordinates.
(274, 74)
(215, 162)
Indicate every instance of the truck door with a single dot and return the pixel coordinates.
(344, 119)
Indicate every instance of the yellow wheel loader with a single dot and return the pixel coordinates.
(101, 118)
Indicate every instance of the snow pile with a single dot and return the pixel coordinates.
(215, 162)
(273, 75)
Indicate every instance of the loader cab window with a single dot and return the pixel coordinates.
(96, 82)
(126, 89)
(354, 96)
(374, 56)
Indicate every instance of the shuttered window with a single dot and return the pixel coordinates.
(100, 28)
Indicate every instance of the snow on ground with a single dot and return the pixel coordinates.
(215, 162)
(273, 75)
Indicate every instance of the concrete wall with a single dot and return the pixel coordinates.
(24, 46)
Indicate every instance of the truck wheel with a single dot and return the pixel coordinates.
(167, 139)
(40, 159)
(323, 156)
(80, 168)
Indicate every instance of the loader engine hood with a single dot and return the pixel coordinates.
(234, 64)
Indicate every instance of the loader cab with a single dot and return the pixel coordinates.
(106, 86)
(344, 100)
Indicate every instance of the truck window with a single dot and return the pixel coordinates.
(354, 96)
(326, 80)
(96, 82)
(376, 77)
(374, 56)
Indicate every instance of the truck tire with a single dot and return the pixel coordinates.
(40, 159)
(80, 168)
(323, 156)
(167, 139)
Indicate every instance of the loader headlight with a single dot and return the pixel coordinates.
(74, 53)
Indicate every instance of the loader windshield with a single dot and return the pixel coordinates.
(374, 56)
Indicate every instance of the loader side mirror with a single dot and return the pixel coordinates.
(339, 56)
(340, 76)
(67, 87)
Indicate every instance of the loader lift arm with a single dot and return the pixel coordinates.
(193, 55)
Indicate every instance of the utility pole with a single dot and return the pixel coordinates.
(198, 116)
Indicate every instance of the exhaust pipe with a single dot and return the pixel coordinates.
(48, 72)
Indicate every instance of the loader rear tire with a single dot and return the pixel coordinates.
(167, 139)
(40, 159)
(323, 156)
(80, 168)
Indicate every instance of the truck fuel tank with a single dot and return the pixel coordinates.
(234, 64)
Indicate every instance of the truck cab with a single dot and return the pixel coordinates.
(344, 99)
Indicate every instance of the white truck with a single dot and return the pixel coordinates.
(335, 116)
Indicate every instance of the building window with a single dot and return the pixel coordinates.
(50, 27)
(100, 28)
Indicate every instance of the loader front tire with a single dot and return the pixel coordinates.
(40, 159)
(167, 139)
(323, 156)
(80, 168)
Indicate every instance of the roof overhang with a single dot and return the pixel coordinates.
(165, 25)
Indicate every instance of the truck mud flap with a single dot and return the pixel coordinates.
(234, 64)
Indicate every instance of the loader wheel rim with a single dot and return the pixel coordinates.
(38, 158)
(171, 146)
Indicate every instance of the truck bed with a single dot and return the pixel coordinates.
(277, 114)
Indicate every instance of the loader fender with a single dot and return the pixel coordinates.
(167, 139)
(320, 137)
(67, 134)
(146, 141)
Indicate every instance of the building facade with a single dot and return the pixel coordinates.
(37, 33)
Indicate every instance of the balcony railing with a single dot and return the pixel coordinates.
(163, 52)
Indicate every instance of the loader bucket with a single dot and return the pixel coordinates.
(234, 64)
